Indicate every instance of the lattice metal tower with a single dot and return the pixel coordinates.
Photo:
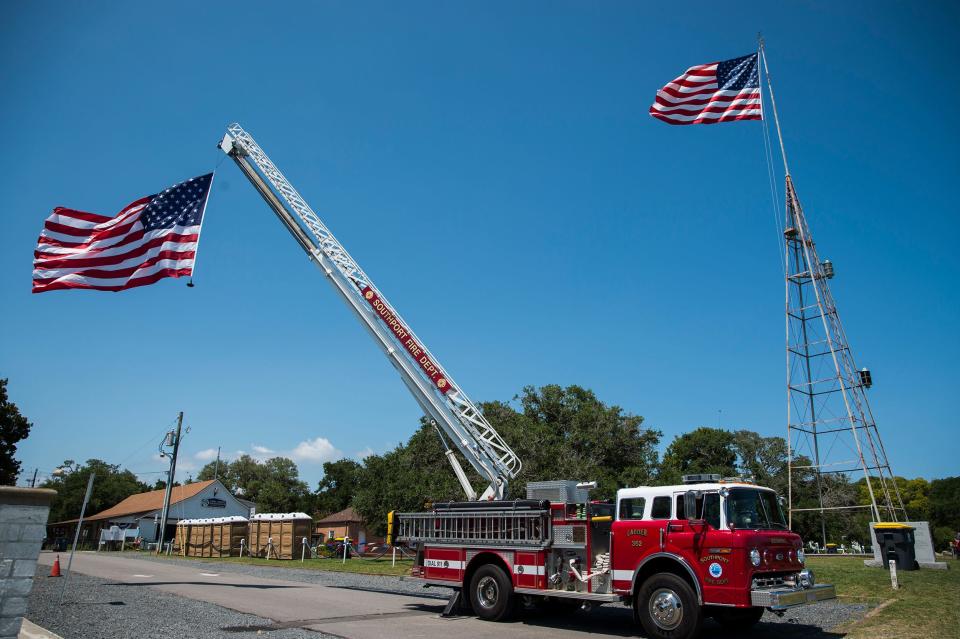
(831, 430)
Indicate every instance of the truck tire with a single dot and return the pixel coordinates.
(738, 618)
(491, 593)
(667, 608)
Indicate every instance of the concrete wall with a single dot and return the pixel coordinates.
(23, 518)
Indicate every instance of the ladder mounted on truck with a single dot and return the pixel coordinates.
(443, 401)
(522, 523)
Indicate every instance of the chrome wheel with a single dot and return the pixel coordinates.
(488, 592)
(665, 608)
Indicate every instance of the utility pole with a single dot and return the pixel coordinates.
(33, 482)
(170, 475)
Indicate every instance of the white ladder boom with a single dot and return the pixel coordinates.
(442, 399)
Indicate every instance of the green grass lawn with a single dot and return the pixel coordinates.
(927, 605)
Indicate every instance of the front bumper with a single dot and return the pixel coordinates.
(783, 598)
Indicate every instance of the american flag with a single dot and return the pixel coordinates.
(710, 93)
(152, 238)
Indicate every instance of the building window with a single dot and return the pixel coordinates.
(333, 535)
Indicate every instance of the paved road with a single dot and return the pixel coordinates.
(358, 613)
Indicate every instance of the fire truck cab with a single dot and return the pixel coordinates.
(675, 554)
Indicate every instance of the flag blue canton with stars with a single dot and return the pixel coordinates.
(180, 205)
(738, 73)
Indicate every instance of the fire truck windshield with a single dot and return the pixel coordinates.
(754, 508)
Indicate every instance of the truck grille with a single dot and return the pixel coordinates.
(772, 581)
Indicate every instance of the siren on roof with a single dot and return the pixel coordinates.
(701, 478)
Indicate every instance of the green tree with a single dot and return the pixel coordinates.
(338, 486)
(914, 492)
(763, 458)
(280, 489)
(944, 500)
(161, 484)
(14, 428)
(559, 433)
(274, 485)
(568, 433)
(704, 450)
(215, 470)
(110, 486)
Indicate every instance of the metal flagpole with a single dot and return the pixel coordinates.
(773, 103)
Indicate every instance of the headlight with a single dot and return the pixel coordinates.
(755, 557)
(801, 557)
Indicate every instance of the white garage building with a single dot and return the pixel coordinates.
(198, 500)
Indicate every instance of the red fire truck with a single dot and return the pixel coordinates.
(674, 553)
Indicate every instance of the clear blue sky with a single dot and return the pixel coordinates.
(494, 169)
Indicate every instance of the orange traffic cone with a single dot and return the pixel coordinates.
(55, 571)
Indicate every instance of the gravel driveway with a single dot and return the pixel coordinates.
(95, 608)
(99, 609)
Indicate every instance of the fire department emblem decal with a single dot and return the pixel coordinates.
(368, 295)
(715, 570)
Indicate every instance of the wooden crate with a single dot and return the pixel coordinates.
(182, 537)
(213, 538)
(278, 535)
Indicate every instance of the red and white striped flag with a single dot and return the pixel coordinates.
(711, 93)
(152, 238)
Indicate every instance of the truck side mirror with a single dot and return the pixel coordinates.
(690, 505)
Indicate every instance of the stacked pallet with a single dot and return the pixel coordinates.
(214, 537)
(278, 535)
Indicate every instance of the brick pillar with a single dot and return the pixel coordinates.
(23, 518)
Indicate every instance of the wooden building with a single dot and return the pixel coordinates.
(346, 523)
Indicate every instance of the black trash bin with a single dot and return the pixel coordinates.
(896, 543)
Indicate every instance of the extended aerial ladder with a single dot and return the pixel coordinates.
(443, 401)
